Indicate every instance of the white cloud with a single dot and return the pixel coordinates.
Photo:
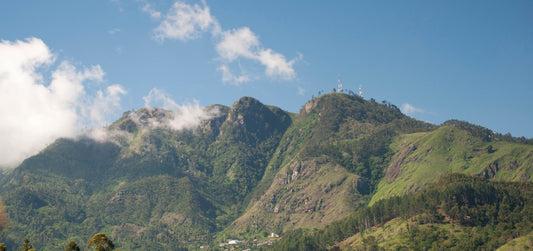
(301, 91)
(147, 8)
(244, 43)
(104, 134)
(410, 110)
(185, 22)
(105, 103)
(159, 98)
(39, 104)
(228, 77)
(238, 43)
(186, 116)
(277, 65)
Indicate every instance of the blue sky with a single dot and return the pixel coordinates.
(437, 60)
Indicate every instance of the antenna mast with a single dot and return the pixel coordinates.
(339, 89)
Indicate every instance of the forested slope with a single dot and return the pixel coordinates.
(457, 212)
(341, 173)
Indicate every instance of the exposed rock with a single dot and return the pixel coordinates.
(308, 107)
(491, 170)
(394, 171)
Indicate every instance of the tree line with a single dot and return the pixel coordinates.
(100, 242)
(493, 212)
(486, 134)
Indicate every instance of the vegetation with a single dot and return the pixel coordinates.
(489, 213)
(256, 170)
(421, 158)
(26, 246)
(101, 242)
(4, 217)
(486, 134)
(72, 246)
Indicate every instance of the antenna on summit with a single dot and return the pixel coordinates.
(339, 89)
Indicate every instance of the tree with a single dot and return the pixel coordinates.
(26, 246)
(72, 245)
(101, 243)
(4, 217)
(3, 247)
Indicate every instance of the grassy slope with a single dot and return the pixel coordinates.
(521, 243)
(421, 158)
(396, 233)
(459, 212)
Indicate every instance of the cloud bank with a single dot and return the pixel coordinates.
(186, 22)
(39, 104)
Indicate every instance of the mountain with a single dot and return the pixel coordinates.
(155, 181)
(328, 160)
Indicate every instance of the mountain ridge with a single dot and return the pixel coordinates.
(242, 172)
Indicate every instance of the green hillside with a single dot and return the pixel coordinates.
(421, 158)
(326, 165)
(253, 170)
(146, 187)
(458, 212)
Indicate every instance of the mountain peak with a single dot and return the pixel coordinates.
(251, 117)
(132, 120)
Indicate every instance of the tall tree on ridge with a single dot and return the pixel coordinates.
(101, 242)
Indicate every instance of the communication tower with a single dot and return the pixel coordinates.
(339, 89)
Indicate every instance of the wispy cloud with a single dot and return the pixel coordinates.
(147, 8)
(104, 103)
(119, 4)
(243, 43)
(276, 64)
(301, 91)
(180, 117)
(39, 104)
(186, 22)
(228, 77)
(113, 31)
(410, 110)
